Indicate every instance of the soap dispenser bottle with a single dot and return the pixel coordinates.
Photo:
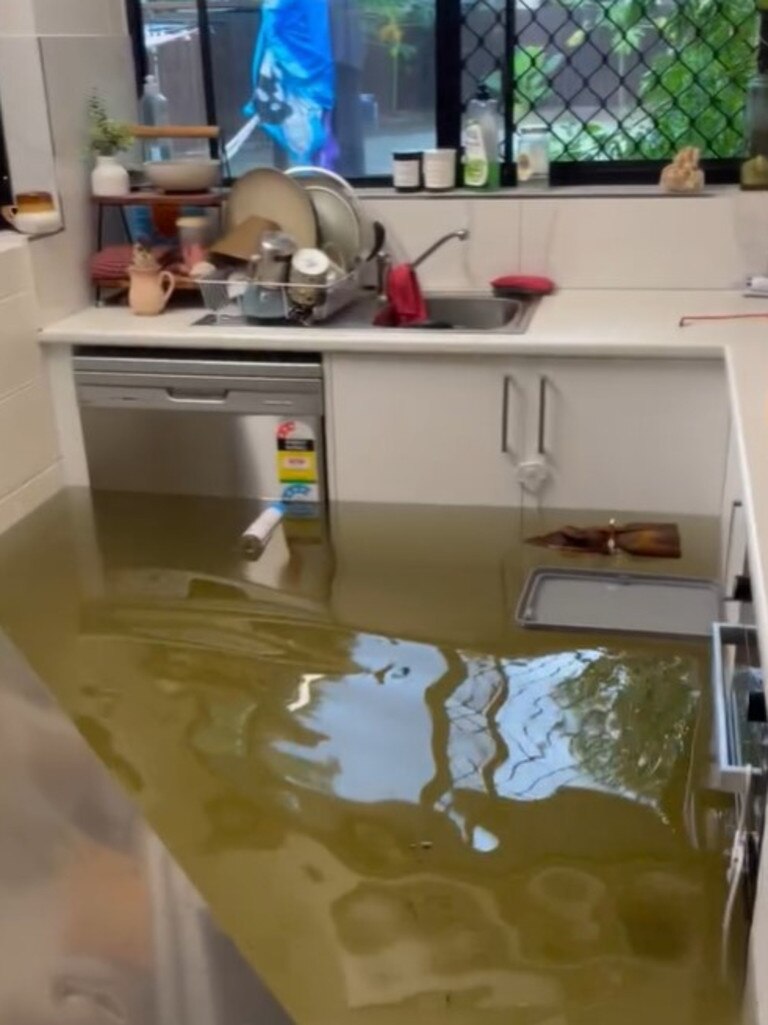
(153, 108)
(482, 130)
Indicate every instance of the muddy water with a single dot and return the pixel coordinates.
(400, 806)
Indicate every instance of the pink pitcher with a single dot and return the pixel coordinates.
(150, 290)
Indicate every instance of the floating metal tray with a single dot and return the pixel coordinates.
(616, 601)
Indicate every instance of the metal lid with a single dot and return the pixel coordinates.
(627, 602)
(277, 244)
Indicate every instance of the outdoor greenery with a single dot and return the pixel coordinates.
(695, 59)
(388, 23)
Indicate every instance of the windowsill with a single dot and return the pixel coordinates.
(553, 192)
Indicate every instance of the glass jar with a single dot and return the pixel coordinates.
(754, 170)
(532, 156)
(194, 238)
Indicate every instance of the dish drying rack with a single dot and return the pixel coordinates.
(278, 301)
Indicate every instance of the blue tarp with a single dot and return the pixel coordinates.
(293, 77)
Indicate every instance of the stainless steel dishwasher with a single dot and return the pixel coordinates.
(203, 422)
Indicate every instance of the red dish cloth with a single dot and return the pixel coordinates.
(528, 284)
(405, 303)
(112, 262)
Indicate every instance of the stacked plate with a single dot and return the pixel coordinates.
(316, 207)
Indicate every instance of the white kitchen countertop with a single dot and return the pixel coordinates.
(578, 322)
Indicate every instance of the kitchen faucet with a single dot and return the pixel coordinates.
(384, 260)
(462, 234)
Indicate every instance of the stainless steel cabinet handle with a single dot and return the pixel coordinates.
(543, 386)
(211, 398)
(507, 383)
(735, 504)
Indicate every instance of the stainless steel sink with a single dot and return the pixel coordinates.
(478, 313)
(462, 311)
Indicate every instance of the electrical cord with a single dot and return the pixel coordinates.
(736, 866)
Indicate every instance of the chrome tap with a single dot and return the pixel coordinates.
(462, 234)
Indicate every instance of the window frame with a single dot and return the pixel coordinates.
(448, 107)
(6, 186)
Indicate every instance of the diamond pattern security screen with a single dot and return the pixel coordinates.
(616, 80)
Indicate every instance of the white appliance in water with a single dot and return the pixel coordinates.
(218, 423)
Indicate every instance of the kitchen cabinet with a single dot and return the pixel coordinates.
(639, 435)
(424, 429)
(634, 435)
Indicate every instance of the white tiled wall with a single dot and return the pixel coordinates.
(74, 66)
(53, 54)
(638, 241)
(25, 114)
(29, 462)
(56, 53)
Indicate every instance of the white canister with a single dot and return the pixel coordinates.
(109, 178)
(439, 169)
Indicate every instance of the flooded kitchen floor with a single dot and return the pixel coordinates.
(402, 808)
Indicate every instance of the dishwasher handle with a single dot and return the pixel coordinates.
(288, 399)
(214, 398)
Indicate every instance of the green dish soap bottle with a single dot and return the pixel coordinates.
(482, 129)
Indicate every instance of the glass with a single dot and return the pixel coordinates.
(617, 80)
(339, 83)
(172, 47)
(754, 170)
(532, 156)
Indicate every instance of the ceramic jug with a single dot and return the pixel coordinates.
(150, 290)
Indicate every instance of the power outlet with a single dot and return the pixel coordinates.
(533, 474)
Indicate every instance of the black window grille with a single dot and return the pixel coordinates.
(621, 85)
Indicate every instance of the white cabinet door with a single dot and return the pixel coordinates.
(638, 435)
(432, 429)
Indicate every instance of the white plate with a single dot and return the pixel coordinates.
(338, 226)
(331, 180)
(273, 195)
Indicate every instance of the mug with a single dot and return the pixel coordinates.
(311, 268)
(33, 213)
(150, 290)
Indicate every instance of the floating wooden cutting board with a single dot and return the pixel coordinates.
(242, 242)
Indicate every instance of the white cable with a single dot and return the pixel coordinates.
(734, 875)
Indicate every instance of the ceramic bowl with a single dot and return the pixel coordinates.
(194, 175)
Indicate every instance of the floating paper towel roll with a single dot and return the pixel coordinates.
(255, 539)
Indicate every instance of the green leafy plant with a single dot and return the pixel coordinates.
(533, 70)
(388, 22)
(699, 56)
(106, 137)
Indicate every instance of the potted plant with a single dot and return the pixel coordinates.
(107, 138)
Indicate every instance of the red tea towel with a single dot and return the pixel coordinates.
(405, 303)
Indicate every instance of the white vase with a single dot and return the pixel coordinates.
(109, 178)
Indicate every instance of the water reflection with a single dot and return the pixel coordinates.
(395, 827)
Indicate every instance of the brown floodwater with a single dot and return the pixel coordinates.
(402, 807)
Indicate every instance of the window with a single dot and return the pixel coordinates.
(336, 82)
(618, 80)
(620, 84)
